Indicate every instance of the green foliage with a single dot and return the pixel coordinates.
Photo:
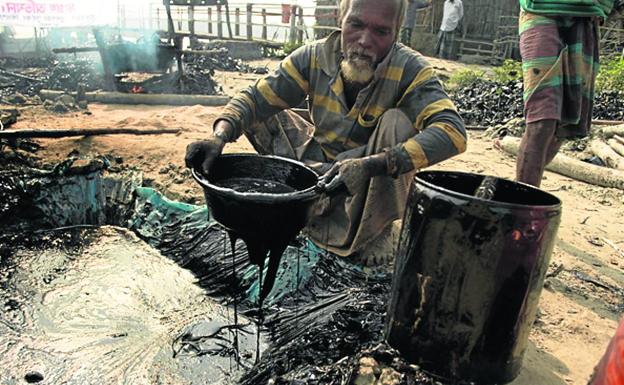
(290, 47)
(509, 71)
(611, 75)
(465, 77)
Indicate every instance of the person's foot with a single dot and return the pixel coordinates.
(382, 250)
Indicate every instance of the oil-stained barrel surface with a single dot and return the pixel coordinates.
(468, 275)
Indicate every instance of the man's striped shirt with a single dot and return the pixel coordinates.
(403, 80)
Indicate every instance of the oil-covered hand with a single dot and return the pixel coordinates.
(356, 173)
(201, 154)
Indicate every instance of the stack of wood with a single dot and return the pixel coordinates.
(608, 146)
(610, 150)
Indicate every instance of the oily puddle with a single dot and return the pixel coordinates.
(100, 306)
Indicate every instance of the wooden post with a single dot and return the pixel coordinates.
(249, 21)
(219, 22)
(158, 18)
(179, 12)
(292, 37)
(210, 20)
(227, 18)
(264, 24)
(170, 27)
(191, 20)
(300, 25)
(36, 42)
(109, 82)
(237, 22)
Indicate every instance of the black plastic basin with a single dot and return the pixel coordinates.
(264, 200)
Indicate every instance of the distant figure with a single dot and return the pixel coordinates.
(451, 19)
(410, 18)
(560, 55)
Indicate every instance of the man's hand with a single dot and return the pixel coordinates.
(201, 154)
(356, 173)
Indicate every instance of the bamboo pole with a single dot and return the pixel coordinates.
(616, 146)
(606, 154)
(264, 24)
(52, 133)
(613, 130)
(210, 20)
(227, 18)
(300, 25)
(249, 21)
(293, 26)
(191, 20)
(237, 22)
(607, 122)
(75, 50)
(149, 99)
(219, 22)
(573, 168)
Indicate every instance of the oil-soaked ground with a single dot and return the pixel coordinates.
(98, 306)
(153, 303)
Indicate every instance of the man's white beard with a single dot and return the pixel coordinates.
(357, 70)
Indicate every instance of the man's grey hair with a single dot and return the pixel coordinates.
(345, 4)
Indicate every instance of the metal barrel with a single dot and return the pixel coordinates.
(468, 275)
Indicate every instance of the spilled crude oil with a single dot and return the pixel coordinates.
(255, 185)
(99, 306)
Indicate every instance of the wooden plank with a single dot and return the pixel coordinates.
(62, 133)
(148, 99)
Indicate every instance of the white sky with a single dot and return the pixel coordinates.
(137, 10)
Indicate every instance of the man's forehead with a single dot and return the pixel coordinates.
(376, 13)
(390, 5)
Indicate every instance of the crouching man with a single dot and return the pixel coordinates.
(378, 114)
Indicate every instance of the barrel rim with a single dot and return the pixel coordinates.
(556, 206)
(309, 193)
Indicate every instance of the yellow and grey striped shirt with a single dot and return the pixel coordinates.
(403, 80)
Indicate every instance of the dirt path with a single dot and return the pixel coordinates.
(579, 307)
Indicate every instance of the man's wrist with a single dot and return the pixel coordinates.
(224, 130)
(376, 164)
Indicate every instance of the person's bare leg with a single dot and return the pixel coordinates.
(553, 149)
(537, 148)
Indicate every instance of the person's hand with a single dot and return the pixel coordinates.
(356, 173)
(201, 154)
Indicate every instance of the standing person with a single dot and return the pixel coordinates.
(451, 19)
(410, 18)
(378, 111)
(559, 48)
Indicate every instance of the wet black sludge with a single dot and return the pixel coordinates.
(33, 377)
(468, 274)
(263, 200)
